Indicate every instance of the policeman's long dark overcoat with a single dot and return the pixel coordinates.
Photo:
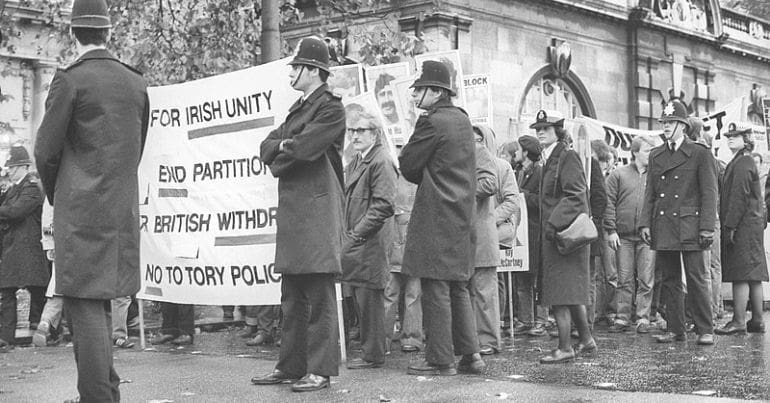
(564, 279)
(370, 192)
(741, 210)
(87, 153)
(23, 260)
(681, 196)
(310, 187)
(440, 159)
(529, 183)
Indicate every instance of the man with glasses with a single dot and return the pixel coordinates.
(304, 154)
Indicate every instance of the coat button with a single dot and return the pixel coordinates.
(676, 176)
(676, 196)
(661, 213)
(674, 214)
(662, 195)
(663, 177)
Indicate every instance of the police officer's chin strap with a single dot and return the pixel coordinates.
(301, 70)
(422, 98)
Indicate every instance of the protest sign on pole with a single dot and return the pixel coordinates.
(208, 203)
(478, 98)
(407, 109)
(451, 58)
(379, 80)
(517, 258)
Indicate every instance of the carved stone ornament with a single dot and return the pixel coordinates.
(560, 58)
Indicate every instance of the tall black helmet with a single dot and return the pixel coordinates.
(312, 52)
(434, 74)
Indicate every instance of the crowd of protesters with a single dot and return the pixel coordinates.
(416, 244)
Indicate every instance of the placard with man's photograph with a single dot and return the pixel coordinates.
(406, 108)
(347, 81)
(452, 59)
(378, 82)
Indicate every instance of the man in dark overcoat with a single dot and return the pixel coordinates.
(440, 159)
(304, 154)
(23, 263)
(87, 152)
(370, 190)
(677, 221)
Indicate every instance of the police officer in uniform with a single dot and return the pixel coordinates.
(87, 153)
(678, 222)
(304, 154)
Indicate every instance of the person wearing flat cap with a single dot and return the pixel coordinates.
(678, 221)
(743, 233)
(23, 263)
(304, 154)
(563, 279)
(440, 159)
(87, 153)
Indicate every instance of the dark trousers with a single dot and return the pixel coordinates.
(91, 328)
(371, 319)
(178, 319)
(697, 289)
(310, 336)
(8, 307)
(450, 326)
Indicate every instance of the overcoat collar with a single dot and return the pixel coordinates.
(555, 154)
(663, 158)
(310, 99)
(359, 165)
(97, 54)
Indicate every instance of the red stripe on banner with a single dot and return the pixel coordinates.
(241, 240)
(172, 192)
(153, 291)
(231, 127)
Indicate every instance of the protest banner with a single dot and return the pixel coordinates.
(208, 203)
(378, 82)
(452, 59)
(406, 108)
(478, 98)
(346, 81)
(517, 258)
(617, 137)
(366, 102)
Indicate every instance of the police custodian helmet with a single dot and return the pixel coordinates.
(434, 74)
(545, 118)
(90, 14)
(312, 52)
(675, 111)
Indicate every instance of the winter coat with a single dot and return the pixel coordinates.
(370, 189)
(440, 158)
(625, 199)
(23, 260)
(598, 201)
(310, 185)
(507, 208)
(487, 243)
(405, 192)
(564, 279)
(87, 152)
(680, 198)
(741, 210)
(529, 183)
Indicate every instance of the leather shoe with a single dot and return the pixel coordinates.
(5, 346)
(618, 327)
(537, 331)
(360, 363)
(471, 364)
(274, 378)
(558, 357)
(161, 339)
(582, 349)
(487, 350)
(755, 327)
(409, 348)
(706, 339)
(669, 337)
(260, 339)
(183, 339)
(730, 328)
(520, 327)
(425, 368)
(311, 383)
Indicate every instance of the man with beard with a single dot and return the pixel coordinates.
(386, 97)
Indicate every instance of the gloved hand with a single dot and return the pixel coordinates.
(729, 236)
(286, 145)
(644, 233)
(550, 232)
(705, 238)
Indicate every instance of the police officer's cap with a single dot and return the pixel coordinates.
(90, 14)
(312, 52)
(434, 74)
(675, 111)
(737, 129)
(545, 118)
(18, 156)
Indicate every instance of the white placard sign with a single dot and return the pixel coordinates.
(517, 258)
(207, 201)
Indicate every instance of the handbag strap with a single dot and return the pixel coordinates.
(588, 186)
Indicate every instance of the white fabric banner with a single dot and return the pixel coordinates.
(207, 202)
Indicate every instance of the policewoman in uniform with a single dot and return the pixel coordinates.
(87, 152)
(440, 159)
(304, 154)
(563, 279)
(743, 233)
(677, 222)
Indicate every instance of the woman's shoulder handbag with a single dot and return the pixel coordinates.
(580, 233)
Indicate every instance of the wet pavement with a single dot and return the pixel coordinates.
(627, 367)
